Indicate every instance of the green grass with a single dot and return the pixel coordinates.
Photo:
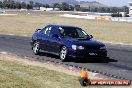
(16, 75)
(102, 30)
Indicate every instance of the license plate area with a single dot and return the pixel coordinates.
(93, 54)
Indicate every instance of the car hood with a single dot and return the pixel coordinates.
(85, 42)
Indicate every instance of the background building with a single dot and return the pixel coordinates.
(130, 8)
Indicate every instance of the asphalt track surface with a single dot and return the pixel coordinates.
(119, 62)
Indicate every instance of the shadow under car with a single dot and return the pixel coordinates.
(80, 60)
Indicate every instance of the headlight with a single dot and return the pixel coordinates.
(80, 47)
(103, 47)
(75, 47)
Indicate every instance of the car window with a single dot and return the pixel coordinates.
(73, 32)
(42, 31)
(54, 30)
(81, 33)
(68, 32)
(46, 30)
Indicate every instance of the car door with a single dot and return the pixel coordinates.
(54, 42)
(44, 38)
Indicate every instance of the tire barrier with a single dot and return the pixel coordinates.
(103, 18)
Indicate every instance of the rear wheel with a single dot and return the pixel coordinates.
(36, 48)
(63, 53)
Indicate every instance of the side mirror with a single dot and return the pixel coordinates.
(91, 36)
(55, 36)
(37, 30)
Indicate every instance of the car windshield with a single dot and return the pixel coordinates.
(73, 32)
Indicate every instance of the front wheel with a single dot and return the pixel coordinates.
(63, 53)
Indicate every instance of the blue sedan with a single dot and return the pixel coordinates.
(67, 42)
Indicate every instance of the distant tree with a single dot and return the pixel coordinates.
(95, 9)
(1, 4)
(84, 9)
(37, 4)
(30, 5)
(71, 8)
(114, 9)
(102, 10)
(108, 10)
(57, 5)
(8, 4)
(65, 6)
(23, 5)
(47, 5)
(77, 7)
(125, 9)
(18, 5)
(12, 4)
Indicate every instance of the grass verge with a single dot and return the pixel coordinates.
(16, 74)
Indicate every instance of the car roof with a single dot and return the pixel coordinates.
(61, 25)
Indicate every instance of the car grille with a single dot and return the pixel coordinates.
(92, 47)
(85, 53)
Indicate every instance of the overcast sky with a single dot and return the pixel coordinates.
(112, 2)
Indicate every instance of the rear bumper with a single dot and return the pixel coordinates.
(87, 54)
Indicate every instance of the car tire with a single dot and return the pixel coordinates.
(36, 48)
(63, 54)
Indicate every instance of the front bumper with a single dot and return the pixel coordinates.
(87, 53)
